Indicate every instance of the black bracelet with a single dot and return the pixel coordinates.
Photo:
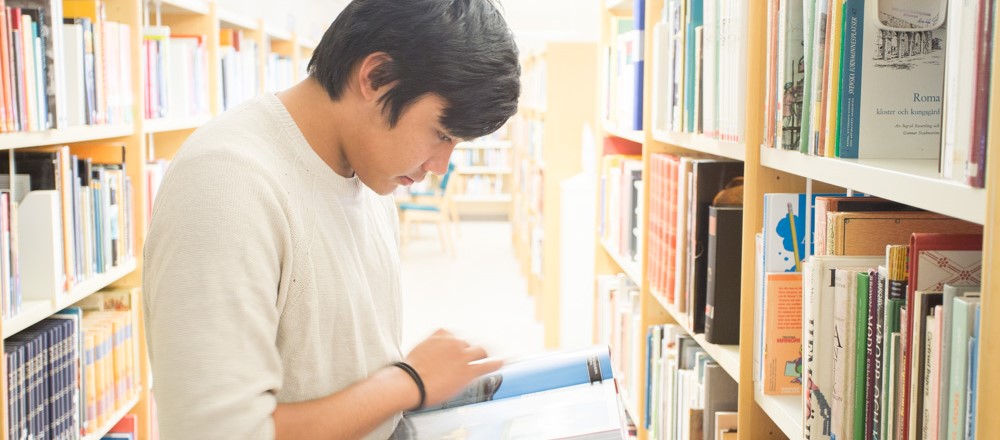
(416, 379)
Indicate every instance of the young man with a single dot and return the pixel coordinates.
(271, 272)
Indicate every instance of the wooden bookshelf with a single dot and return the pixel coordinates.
(121, 412)
(570, 102)
(913, 182)
(141, 138)
(702, 144)
(631, 269)
(62, 136)
(173, 124)
(483, 170)
(195, 7)
(727, 356)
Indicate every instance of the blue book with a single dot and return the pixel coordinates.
(970, 427)
(639, 13)
(567, 394)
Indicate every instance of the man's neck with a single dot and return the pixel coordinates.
(322, 122)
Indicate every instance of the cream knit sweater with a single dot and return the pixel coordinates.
(267, 278)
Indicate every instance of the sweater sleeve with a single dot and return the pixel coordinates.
(212, 274)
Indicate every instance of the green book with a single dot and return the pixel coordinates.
(808, 11)
(860, 356)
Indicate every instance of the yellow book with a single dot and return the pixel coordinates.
(90, 380)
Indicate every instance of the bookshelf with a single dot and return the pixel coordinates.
(145, 139)
(912, 182)
(558, 102)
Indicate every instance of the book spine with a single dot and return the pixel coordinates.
(853, 47)
(861, 406)
(980, 112)
(873, 338)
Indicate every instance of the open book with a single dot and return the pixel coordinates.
(569, 394)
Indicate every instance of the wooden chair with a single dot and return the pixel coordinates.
(435, 206)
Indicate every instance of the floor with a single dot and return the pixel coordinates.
(479, 295)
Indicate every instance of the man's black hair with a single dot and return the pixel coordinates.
(461, 50)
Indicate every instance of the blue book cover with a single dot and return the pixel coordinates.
(639, 13)
(970, 427)
(537, 374)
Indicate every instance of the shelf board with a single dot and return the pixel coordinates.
(34, 311)
(483, 170)
(619, 7)
(727, 356)
(633, 135)
(172, 124)
(498, 198)
(785, 411)
(117, 416)
(230, 19)
(631, 269)
(276, 33)
(60, 136)
(308, 43)
(187, 7)
(702, 144)
(484, 145)
(914, 182)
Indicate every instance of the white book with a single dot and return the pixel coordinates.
(76, 104)
(960, 85)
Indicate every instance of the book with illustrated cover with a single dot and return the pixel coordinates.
(555, 395)
(893, 79)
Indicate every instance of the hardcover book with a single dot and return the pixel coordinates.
(868, 233)
(722, 305)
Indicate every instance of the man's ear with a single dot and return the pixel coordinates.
(371, 72)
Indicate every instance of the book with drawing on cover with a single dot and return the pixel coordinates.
(568, 394)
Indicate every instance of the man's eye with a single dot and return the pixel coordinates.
(443, 137)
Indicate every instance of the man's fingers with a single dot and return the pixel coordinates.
(487, 366)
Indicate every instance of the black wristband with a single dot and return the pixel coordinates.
(416, 379)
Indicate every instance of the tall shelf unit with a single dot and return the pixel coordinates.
(558, 101)
(483, 177)
(913, 182)
(147, 140)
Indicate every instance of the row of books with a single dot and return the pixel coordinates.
(481, 157)
(624, 70)
(700, 68)
(619, 222)
(279, 72)
(239, 67)
(480, 185)
(175, 69)
(62, 65)
(852, 80)
(695, 216)
(884, 354)
(68, 374)
(836, 276)
(69, 219)
(619, 326)
(688, 395)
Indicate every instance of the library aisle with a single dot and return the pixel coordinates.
(479, 295)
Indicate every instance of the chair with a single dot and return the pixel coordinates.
(434, 206)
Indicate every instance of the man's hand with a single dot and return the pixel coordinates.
(447, 364)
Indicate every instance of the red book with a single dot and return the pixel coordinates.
(127, 425)
(935, 260)
(617, 145)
